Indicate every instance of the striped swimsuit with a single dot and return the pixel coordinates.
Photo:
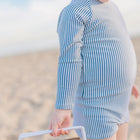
(97, 66)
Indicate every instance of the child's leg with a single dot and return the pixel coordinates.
(122, 132)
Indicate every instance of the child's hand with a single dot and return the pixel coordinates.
(103, 1)
(60, 119)
(135, 91)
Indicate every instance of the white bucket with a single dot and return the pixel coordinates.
(37, 133)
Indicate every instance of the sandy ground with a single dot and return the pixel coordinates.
(28, 93)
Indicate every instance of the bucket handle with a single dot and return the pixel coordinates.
(31, 134)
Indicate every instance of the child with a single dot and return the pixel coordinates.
(96, 70)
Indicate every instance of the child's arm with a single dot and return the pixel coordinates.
(70, 30)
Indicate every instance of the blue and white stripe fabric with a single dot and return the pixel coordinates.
(97, 66)
(70, 28)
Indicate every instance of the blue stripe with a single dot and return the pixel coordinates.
(96, 40)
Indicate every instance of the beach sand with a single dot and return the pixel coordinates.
(28, 85)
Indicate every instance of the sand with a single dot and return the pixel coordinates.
(28, 92)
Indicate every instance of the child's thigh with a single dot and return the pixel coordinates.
(111, 138)
(122, 132)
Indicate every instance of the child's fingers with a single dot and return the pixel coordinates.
(66, 132)
(54, 128)
(60, 132)
(50, 127)
(63, 132)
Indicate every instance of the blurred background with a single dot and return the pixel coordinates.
(29, 50)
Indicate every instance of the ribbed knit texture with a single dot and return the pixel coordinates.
(70, 29)
(96, 68)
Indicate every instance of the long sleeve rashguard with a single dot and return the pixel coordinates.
(70, 29)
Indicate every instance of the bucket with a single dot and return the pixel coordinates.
(37, 133)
